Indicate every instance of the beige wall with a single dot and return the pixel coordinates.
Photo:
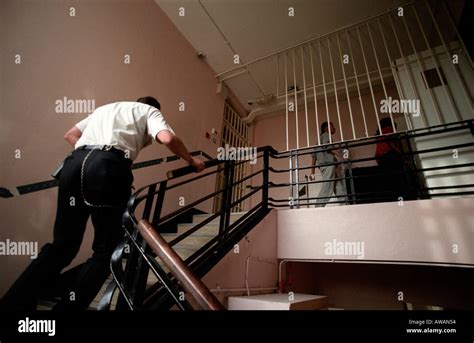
(255, 261)
(82, 57)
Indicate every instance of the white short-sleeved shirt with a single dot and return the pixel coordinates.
(128, 126)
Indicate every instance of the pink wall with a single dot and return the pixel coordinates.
(260, 247)
(82, 57)
(427, 231)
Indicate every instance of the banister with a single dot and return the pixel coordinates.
(189, 282)
(173, 174)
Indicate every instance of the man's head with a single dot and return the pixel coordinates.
(325, 126)
(149, 100)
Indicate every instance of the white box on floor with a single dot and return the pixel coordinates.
(278, 301)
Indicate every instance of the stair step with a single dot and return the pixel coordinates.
(197, 218)
(209, 229)
(197, 239)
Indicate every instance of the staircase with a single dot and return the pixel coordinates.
(196, 240)
(185, 248)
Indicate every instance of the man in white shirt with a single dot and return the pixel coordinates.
(95, 181)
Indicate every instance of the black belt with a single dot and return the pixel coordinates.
(102, 148)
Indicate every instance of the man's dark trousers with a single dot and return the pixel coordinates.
(99, 188)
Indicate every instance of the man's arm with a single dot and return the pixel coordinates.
(176, 146)
(73, 135)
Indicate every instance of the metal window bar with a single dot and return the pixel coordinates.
(315, 96)
(335, 90)
(305, 99)
(346, 88)
(403, 51)
(401, 94)
(381, 77)
(296, 103)
(369, 79)
(324, 85)
(357, 83)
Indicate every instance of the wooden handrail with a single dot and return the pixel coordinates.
(188, 280)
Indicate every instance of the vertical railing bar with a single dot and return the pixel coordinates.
(296, 103)
(414, 166)
(345, 85)
(305, 99)
(357, 83)
(351, 177)
(430, 93)
(456, 71)
(368, 78)
(324, 87)
(229, 195)
(315, 93)
(159, 203)
(222, 219)
(286, 101)
(297, 180)
(278, 74)
(265, 178)
(407, 69)
(381, 77)
(335, 89)
(399, 89)
(291, 178)
(149, 202)
(342, 166)
(435, 62)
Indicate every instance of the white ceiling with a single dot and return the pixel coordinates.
(254, 28)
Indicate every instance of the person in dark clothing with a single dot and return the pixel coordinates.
(389, 157)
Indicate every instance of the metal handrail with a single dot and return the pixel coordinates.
(173, 262)
(145, 242)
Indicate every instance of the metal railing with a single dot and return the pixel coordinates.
(183, 277)
(411, 175)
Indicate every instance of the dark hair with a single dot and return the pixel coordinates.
(385, 122)
(324, 126)
(149, 100)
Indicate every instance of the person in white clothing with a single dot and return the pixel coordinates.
(328, 172)
(95, 182)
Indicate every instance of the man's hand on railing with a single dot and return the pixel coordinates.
(198, 164)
